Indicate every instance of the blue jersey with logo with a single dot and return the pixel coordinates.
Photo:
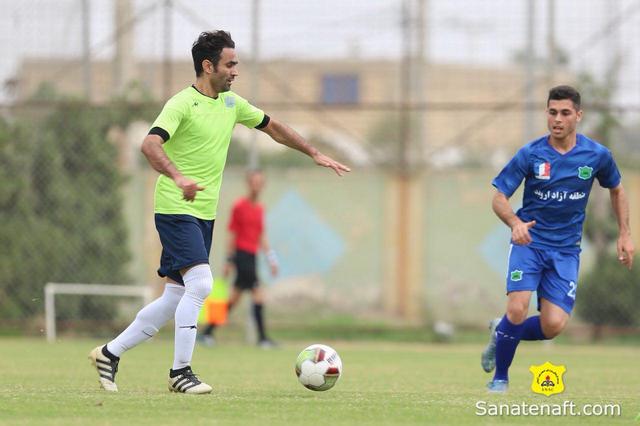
(557, 187)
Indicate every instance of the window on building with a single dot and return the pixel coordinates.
(340, 89)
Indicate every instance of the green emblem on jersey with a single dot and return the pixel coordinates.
(516, 275)
(585, 172)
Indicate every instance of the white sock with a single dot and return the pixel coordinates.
(148, 321)
(197, 283)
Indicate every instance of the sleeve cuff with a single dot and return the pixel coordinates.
(502, 190)
(264, 122)
(160, 132)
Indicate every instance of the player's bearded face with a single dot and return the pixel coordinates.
(562, 118)
(226, 71)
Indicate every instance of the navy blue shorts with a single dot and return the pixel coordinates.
(553, 274)
(186, 241)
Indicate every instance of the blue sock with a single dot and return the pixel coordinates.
(507, 339)
(532, 330)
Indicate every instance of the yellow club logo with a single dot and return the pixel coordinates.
(547, 378)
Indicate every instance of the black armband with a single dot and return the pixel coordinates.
(264, 122)
(160, 132)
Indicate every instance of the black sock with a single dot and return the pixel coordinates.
(108, 354)
(257, 316)
(179, 371)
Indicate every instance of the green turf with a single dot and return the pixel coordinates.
(382, 384)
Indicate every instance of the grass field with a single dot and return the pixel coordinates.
(382, 384)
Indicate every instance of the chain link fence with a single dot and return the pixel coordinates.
(426, 110)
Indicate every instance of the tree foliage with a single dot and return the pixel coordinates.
(61, 206)
(608, 292)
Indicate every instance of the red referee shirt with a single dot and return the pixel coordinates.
(246, 225)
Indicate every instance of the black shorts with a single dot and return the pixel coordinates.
(186, 241)
(246, 275)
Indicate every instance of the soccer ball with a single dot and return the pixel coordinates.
(318, 367)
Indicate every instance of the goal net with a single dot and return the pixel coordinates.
(90, 306)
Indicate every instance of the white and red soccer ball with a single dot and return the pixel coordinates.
(318, 367)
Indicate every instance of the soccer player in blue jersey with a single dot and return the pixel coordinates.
(558, 171)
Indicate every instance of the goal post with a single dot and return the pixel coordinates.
(53, 289)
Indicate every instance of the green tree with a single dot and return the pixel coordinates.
(21, 231)
(61, 207)
(608, 293)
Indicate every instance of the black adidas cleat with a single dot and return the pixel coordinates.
(184, 381)
(107, 368)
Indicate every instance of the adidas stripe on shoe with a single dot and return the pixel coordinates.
(184, 381)
(106, 368)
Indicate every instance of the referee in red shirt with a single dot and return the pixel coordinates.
(247, 238)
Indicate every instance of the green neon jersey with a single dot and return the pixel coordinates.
(199, 129)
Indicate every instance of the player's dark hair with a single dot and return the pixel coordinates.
(559, 93)
(209, 46)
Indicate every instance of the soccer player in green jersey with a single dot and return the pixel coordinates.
(187, 145)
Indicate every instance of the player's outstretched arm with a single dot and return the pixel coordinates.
(285, 135)
(152, 149)
(620, 205)
(519, 229)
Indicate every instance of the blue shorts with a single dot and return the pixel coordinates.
(552, 273)
(186, 241)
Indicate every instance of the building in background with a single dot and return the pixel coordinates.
(353, 106)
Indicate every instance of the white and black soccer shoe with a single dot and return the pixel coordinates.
(183, 380)
(488, 358)
(107, 366)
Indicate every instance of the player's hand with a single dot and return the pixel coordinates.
(625, 250)
(324, 161)
(274, 269)
(520, 232)
(226, 270)
(189, 188)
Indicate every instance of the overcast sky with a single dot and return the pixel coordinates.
(485, 32)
